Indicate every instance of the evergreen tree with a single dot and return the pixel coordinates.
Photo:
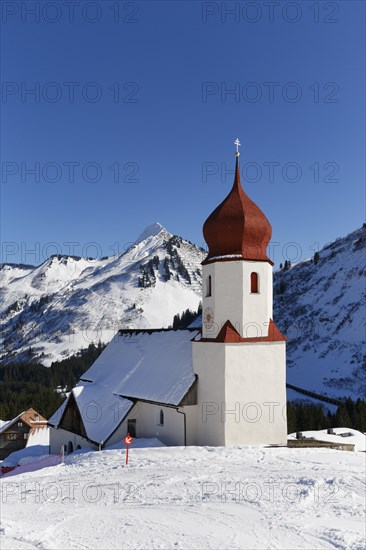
(25, 385)
(282, 286)
(166, 268)
(342, 417)
(176, 321)
(291, 418)
(181, 321)
(360, 415)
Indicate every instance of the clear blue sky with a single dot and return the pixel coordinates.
(298, 72)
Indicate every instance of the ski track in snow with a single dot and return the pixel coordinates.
(190, 498)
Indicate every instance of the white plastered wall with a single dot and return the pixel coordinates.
(231, 298)
(59, 437)
(255, 388)
(147, 416)
(241, 393)
(208, 364)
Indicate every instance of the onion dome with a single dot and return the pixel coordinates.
(237, 228)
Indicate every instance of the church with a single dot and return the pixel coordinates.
(221, 381)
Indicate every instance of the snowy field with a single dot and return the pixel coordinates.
(193, 498)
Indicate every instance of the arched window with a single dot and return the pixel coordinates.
(254, 283)
(209, 286)
(161, 418)
(70, 447)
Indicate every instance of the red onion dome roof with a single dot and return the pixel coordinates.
(237, 228)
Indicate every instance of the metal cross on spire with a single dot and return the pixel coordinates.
(237, 143)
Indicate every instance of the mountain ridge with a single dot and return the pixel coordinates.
(66, 302)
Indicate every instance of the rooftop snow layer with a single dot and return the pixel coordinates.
(150, 365)
(136, 365)
(5, 424)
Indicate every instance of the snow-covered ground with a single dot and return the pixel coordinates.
(194, 497)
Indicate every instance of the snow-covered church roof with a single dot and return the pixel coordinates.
(147, 365)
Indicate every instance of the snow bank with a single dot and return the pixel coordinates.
(28, 454)
(37, 447)
(341, 435)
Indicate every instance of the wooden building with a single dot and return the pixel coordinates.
(14, 433)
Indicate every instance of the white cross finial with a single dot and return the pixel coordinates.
(237, 143)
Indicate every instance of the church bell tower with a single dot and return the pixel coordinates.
(240, 358)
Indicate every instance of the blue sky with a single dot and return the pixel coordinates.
(148, 90)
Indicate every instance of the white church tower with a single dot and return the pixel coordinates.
(240, 358)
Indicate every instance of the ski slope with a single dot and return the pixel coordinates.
(189, 498)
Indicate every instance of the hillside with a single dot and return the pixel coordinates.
(67, 302)
(320, 307)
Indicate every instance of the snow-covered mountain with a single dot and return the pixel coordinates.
(67, 302)
(320, 307)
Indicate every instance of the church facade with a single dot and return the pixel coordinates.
(222, 381)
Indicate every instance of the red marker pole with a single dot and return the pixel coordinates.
(127, 441)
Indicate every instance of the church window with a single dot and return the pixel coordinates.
(254, 283)
(209, 286)
(161, 418)
(70, 447)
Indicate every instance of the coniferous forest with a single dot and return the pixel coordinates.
(24, 385)
(306, 416)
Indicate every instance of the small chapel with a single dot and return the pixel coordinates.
(220, 382)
